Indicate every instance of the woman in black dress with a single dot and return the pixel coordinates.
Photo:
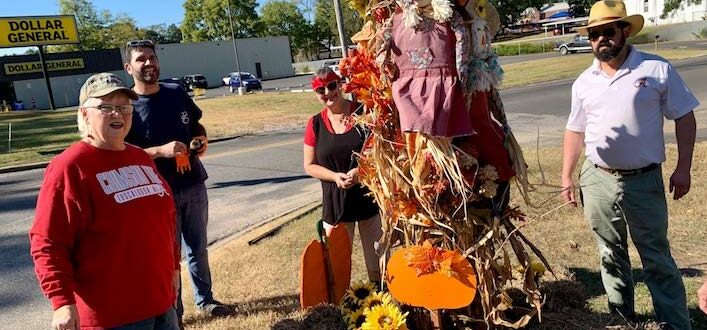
(330, 140)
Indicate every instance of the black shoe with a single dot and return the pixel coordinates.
(216, 308)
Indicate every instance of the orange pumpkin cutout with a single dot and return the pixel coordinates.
(451, 284)
(325, 268)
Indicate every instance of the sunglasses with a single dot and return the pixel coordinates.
(609, 32)
(107, 109)
(140, 43)
(330, 86)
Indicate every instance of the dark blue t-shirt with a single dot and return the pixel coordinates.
(166, 116)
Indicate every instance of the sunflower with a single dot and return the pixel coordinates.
(377, 298)
(349, 303)
(384, 317)
(358, 292)
(355, 319)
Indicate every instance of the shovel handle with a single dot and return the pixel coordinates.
(329, 272)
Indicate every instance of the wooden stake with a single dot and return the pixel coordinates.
(436, 318)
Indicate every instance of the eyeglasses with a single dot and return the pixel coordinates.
(140, 43)
(330, 86)
(107, 109)
(609, 32)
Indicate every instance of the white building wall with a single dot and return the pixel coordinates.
(215, 59)
(653, 9)
(65, 90)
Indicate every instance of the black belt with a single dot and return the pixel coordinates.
(629, 172)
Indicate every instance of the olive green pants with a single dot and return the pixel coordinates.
(614, 203)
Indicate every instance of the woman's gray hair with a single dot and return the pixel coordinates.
(81, 121)
(323, 72)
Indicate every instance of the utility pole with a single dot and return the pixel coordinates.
(46, 77)
(235, 50)
(340, 25)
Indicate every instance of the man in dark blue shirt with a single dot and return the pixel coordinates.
(165, 121)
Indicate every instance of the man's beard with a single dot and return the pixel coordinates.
(611, 52)
(151, 78)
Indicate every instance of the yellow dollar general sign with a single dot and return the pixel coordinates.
(38, 30)
(54, 65)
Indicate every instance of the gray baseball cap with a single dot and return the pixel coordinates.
(102, 84)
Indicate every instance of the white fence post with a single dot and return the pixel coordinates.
(9, 137)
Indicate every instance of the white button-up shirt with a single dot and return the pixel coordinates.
(622, 116)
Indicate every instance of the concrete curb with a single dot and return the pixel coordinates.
(23, 167)
(267, 226)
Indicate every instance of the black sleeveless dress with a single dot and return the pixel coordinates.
(335, 152)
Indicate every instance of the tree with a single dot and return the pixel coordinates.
(208, 19)
(194, 23)
(580, 8)
(673, 5)
(119, 30)
(89, 24)
(510, 10)
(324, 16)
(173, 34)
(284, 18)
(163, 34)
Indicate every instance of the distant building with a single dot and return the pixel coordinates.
(653, 9)
(266, 58)
(21, 78)
(530, 15)
(554, 11)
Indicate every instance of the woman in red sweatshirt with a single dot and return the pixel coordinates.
(103, 237)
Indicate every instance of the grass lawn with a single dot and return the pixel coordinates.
(40, 135)
(261, 281)
(537, 71)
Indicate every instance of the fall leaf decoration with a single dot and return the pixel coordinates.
(431, 277)
(427, 259)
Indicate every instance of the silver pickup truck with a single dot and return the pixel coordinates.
(578, 44)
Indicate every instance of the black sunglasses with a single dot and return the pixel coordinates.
(609, 32)
(332, 85)
(140, 43)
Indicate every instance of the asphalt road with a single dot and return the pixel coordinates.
(303, 81)
(254, 178)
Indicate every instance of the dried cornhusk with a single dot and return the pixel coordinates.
(433, 198)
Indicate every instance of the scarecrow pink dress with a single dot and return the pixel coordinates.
(427, 92)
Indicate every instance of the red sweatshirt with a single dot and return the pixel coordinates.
(104, 236)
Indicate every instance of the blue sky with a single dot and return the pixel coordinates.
(145, 12)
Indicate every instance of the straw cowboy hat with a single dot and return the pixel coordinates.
(609, 11)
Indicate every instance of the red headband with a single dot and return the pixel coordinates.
(319, 82)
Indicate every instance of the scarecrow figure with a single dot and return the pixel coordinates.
(441, 154)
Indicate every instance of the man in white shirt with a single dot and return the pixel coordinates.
(618, 106)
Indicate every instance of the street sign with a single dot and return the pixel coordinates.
(38, 30)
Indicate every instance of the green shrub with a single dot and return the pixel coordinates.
(642, 38)
(525, 48)
(700, 35)
(304, 69)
